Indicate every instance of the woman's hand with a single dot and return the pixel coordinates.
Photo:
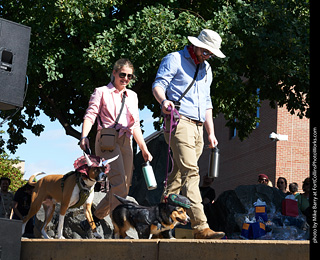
(84, 143)
(137, 135)
(147, 156)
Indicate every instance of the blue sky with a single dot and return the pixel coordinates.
(53, 152)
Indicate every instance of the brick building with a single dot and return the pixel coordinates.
(242, 162)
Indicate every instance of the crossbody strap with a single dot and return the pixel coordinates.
(191, 84)
(121, 109)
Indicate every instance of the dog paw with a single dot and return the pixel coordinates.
(61, 237)
(96, 235)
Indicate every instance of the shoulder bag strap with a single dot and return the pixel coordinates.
(121, 109)
(191, 84)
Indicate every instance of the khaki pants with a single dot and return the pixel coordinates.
(187, 145)
(120, 174)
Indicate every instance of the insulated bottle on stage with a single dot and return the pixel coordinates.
(149, 176)
(213, 169)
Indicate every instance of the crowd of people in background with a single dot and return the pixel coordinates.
(302, 198)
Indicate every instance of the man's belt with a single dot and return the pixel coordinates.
(196, 122)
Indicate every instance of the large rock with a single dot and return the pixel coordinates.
(231, 208)
(222, 214)
(248, 194)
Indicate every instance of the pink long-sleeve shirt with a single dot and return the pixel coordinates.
(106, 102)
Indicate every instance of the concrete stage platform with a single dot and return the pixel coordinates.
(178, 249)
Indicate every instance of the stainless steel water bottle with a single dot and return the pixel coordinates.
(149, 176)
(213, 169)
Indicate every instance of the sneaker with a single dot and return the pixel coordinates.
(207, 233)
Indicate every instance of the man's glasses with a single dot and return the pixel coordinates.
(206, 53)
(123, 75)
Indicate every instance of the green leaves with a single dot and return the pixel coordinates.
(75, 43)
(268, 43)
(9, 169)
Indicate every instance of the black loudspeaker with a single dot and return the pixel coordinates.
(14, 49)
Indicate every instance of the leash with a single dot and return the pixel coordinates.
(174, 120)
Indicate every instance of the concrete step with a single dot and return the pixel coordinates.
(165, 249)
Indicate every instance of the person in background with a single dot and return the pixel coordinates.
(293, 188)
(208, 194)
(264, 179)
(282, 185)
(6, 198)
(303, 200)
(21, 206)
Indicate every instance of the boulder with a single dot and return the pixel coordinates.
(229, 211)
(248, 194)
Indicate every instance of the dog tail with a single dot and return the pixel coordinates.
(31, 179)
(124, 201)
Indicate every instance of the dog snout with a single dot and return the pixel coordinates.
(185, 218)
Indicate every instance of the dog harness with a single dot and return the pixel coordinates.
(84, 192)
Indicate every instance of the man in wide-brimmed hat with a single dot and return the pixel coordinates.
(179, 71)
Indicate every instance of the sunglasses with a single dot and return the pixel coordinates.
(123, 75)
(206, 53)
(263, 180)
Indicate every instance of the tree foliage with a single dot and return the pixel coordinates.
(9, 169)
(74, 44)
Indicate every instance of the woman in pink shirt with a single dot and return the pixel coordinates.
(105, 105)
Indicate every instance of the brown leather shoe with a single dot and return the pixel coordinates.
(207, 233)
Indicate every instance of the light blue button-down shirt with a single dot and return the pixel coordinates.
(175, 74)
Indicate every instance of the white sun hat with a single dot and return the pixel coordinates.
(209, 40)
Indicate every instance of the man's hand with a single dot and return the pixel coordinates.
(213, 142)
(165, 106)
